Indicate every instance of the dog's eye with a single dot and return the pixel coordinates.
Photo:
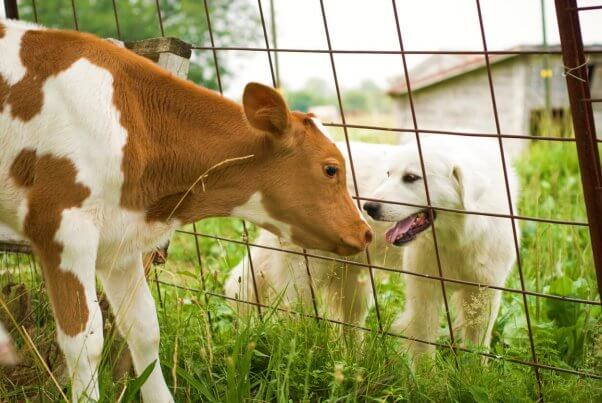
(410, 178)
(388, 174)
(331, 170)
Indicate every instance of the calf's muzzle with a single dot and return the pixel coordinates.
(351, 245)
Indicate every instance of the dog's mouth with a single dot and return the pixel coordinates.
(407, 229)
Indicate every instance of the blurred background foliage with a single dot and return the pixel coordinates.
(233, 21)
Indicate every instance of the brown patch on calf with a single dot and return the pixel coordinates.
(22, 170)
(2, 31)
(51, 189)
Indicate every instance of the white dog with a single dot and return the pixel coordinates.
(342, 289)
(462, 174)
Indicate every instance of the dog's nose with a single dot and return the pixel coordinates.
(372, 208)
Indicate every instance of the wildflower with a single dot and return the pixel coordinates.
(230, 361)
(476, 307)
(359, 378)
(339, 377)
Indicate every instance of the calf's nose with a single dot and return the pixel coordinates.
(357, 242)
(372, 208)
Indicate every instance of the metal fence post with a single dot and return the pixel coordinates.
(11, 10)
(577, 81)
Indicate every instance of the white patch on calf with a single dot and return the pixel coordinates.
(98, 155)
(78, 232)
(322, 129)
(254, 211)
(8, 355)
(127, 233)
(11, 67)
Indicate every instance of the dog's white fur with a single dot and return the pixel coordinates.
(462, 174)
(342, 288)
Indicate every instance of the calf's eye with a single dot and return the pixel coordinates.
(331, 170)
(410, 178)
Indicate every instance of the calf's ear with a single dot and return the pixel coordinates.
(471, 187)
(265, 109)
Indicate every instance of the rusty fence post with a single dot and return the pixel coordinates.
(577, 81)
(11, 10)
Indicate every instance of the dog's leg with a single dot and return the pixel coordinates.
(68, 258)
(347, 297)
(136, 319)
(268, 270)
(354, 291)
(496, 300)
(477, 310)
(420, 319)
(239, 287)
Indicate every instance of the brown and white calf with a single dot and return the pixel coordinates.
(99, 152)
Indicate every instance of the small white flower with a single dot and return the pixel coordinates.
(339, 376)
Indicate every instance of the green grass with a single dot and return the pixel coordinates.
(286, 357)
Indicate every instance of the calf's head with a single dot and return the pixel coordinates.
(302, 194)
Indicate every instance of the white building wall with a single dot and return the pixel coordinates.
(464, 103)
(596, 92)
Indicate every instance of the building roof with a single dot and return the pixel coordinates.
(442, 67)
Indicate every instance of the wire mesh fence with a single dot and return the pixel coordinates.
(585, 140)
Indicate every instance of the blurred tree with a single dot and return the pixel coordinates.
(315, 92)
(367, 97)
(234, 22)
(320, 88)
(301, 100)
(355, 100)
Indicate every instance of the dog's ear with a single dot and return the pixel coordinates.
(471, 187)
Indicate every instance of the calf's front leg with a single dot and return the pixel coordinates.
(68, 260)
(136, 318)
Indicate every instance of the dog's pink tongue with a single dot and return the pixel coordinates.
(400, 228)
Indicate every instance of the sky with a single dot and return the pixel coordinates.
(370, 24)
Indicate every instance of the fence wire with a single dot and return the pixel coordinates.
(566, 9)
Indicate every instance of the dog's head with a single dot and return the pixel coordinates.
(451, 184)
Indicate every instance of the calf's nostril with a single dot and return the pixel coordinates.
(369, 235)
